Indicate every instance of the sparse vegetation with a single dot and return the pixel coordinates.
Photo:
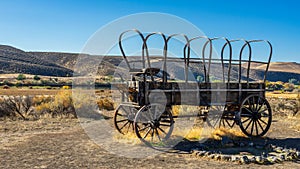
(60, 104)
(21, 77)
(36, 77)
(12, 106)
(106, 104)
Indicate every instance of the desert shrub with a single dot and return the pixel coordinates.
(11, 106)
(21, 77)
(36, 77)
(106, 104)
(285, 106)
(42, 104)
(60, 104)
(66, 87)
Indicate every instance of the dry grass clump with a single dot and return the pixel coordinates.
(231, 133)
(106, 104)
(192, 134)
(285, 106)
(60, 104)
(128, 138)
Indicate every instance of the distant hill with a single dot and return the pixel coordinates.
(278, 71)
(13, 60)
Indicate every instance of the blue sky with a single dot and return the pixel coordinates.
(66, 25)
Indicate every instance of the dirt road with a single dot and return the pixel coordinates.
(62, 143)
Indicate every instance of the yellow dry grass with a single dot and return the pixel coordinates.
(282, 95)
(190, 134)
(231, 133)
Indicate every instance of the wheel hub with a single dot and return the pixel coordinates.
(256, 115)
(154, 124)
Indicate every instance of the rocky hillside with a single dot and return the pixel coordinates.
(278, 71)
(13, 60)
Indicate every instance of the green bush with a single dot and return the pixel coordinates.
(36, 77)
(21, 77)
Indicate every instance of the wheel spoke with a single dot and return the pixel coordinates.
(148, 131)
(167, 125)
(252, 105)
(252, 127)
(162, 130)
(263, 121)
(229, 123)
(157, 134)
(256, 128)
(246, 120)
(129, 126)
(261, 127)
(248, 124)
(261, 105)
(152, 135)
(248, 110)
(124, 110)
(124, 125)
(246, 115)
(249, 103)
(257, 103)
(265, 114)
(144, 128)
(122, 120)
(223, 122)
(120, 114)
(263, 110)
(165, 121)
(133, 126)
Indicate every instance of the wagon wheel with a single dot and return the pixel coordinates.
(154, 124)
(124, 117)
(228, 117)
(214, 116)
(255, 116)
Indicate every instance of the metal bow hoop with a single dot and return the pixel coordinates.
(206, 61)
(184, 55)
(147, 51)
(188, 45)
(269, 59)
(122, 50)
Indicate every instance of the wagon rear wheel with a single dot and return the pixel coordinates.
(227, 120)
(255, 116)
(154, 124)
(124, 117)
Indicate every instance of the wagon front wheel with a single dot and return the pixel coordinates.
(154, 124)
(124, 117)
(255, 116)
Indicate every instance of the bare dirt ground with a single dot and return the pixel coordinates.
(28, 92)
(62, 143)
